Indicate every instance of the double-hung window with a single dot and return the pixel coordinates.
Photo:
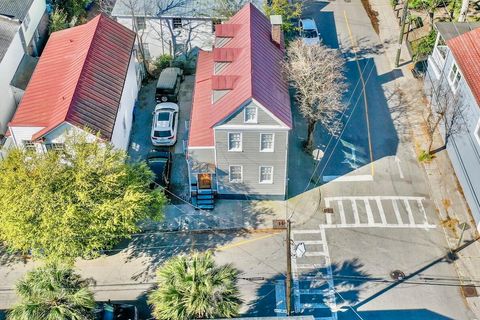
(29, 145)
(266, 142)
(141, 23)
(454, 77)
(234, 141)
(235, 174)
(177, 23)
(266, 174)
(250, 115)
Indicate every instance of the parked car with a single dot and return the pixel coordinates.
(116, 311)
(164, 124)
(160, 163)
(168, 85)
(309, 31)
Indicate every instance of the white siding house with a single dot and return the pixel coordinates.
(455, 66)
(23, 27)
(98, 93)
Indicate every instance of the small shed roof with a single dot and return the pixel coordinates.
(450, 30)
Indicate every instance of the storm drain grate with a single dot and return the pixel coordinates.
(469, 291)
(327, 210)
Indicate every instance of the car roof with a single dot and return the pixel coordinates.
(158, 154)
(166, 105)
(168, 78)
(309, 24)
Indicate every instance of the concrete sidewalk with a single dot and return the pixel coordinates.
(445, 189)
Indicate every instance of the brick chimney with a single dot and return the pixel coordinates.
(277, 33)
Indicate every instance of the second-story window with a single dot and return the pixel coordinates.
(141, 23)
(29, 145)
(177, 23)
(454, 77)
(266, 142)
(250, 115)
(234, 141)
(55, 146)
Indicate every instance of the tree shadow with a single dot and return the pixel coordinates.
(8, 258)
(312, 286)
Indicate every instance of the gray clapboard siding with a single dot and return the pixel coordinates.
(250, 158)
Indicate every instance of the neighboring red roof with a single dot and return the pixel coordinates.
(466, 50)
(257, 71)
(78, 79)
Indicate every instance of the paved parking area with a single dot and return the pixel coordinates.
(140, 143)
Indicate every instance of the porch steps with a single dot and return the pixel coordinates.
(204, 199)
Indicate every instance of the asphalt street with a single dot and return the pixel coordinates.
(367, 211)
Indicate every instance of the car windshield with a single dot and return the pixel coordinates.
(163, 116)
(162, 134)
(310, 34)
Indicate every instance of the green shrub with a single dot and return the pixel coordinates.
(425, 156)
(162, 62)
(425, 46)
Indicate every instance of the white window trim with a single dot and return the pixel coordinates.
(260, 175)
(452, 82)
(476, 133)
(230, 171)
(245, 114)
(273, 142)
(241, 142)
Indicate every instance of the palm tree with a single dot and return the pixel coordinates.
(194, 287)
(53, 292)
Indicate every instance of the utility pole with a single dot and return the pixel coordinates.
(402, 29)
(288, 284)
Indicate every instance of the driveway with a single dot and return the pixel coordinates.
(140, 143)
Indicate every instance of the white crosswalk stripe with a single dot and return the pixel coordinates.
(313, 292)
(376, 211)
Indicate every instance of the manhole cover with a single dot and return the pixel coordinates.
(397, 275)
(469, 291)
(327, 210)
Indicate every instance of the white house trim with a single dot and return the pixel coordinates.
(252, 127)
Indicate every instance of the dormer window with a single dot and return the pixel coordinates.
(250, 115)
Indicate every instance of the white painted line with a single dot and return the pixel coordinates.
(369, 211)
(351, 178)
(311, 241)
(309, 266)
(305, 231)
(397, 212)
(397, 161)
(409, 211)
(378, 225)
(380, 210)
(342, 212)
(329, 218)
(355, 211)
(311, 291)
(314, 305)
(315, 254)
(413, 198)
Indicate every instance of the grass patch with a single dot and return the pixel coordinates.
(425, 156)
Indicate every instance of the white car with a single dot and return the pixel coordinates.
(164, 124)
(309, 31)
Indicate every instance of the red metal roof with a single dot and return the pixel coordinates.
(225, 54)
(223, 82)
(226, 30)
(257, 68)
(466, 50)
(78, 79)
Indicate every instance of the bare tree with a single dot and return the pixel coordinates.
(447, 110)
(316, 72)
(224, 9)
